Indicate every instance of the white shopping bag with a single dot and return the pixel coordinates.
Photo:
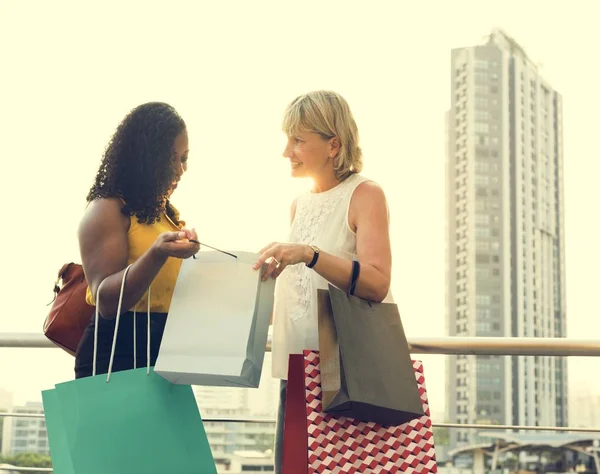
(216, 330)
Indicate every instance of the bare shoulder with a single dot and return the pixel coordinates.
(106, 212)
(111, 203)
(368, 202)
(369, 192)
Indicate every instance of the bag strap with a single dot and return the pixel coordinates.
(354, 277)
(118, 318)
(61, 275)
(135, 338)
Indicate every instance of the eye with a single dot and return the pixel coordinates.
(298, 140)
(184, 159)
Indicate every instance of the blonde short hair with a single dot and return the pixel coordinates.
(328, 114)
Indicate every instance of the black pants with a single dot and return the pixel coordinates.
(124, 356)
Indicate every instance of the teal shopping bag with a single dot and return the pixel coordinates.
(135, 423)
(129, 422)
(59, 449)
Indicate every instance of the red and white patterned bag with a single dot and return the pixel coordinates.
(346, 445)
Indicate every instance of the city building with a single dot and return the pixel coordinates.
(6, 400)
(584, 407)
(25, 435)
(227, 437)
(245, 461)
(505, 236)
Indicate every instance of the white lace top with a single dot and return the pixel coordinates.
(321, 219)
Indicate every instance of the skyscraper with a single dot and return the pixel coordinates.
(505, 235)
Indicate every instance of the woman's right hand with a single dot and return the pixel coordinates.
(177, 244)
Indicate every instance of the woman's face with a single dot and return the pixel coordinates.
(309, 154)
(180, 159)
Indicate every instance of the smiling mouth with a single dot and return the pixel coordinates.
(295, 165)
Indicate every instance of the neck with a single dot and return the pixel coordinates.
(324, 183)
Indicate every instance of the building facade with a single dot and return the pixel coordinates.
(228, 437)
(505, 236)
(25, 435)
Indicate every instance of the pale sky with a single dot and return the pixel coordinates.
(70, 71)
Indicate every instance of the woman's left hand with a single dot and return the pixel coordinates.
(282, 255)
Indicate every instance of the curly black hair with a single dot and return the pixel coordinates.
(137, 164)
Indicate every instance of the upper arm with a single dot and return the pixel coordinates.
(369, 216)
(103, 241)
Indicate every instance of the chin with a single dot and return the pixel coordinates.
(297, 173)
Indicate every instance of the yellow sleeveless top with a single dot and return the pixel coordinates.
(140, 238)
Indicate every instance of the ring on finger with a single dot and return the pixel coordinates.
(277, 262)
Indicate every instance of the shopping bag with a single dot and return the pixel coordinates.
(59, 448)
(367, 372)
(70, 314)
(135, 423)
(216, 332)
(295, 434)
(340, 444)
(126, 422)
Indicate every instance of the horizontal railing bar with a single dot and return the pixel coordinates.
(207, 419)
(507, 346)
(21, 415)
(435, 425)
(562, 429)
(26, 469)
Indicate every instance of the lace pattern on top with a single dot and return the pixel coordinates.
(312, 211)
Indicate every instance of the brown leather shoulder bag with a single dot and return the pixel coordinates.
(70, 314)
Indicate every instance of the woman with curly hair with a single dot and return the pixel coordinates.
(130, 220)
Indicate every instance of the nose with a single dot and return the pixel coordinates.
(287, 151)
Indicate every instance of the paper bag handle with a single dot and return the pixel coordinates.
(148, 337)
(118, 318)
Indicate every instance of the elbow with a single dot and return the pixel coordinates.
(110, 316)
(105, 314)
(101, 307)
(381, 291)
(378, 296)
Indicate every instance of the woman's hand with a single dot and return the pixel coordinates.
(282, 255)
(182, 244)
(104, 248)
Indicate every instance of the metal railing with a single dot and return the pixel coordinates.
(26, 469)
(267, 421)
(506, 346)
(500, 346)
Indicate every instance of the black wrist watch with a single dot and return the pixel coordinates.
(313, 262)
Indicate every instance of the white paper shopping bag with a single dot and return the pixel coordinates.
(216, 330)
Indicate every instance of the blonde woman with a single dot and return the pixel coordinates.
(343, 218)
